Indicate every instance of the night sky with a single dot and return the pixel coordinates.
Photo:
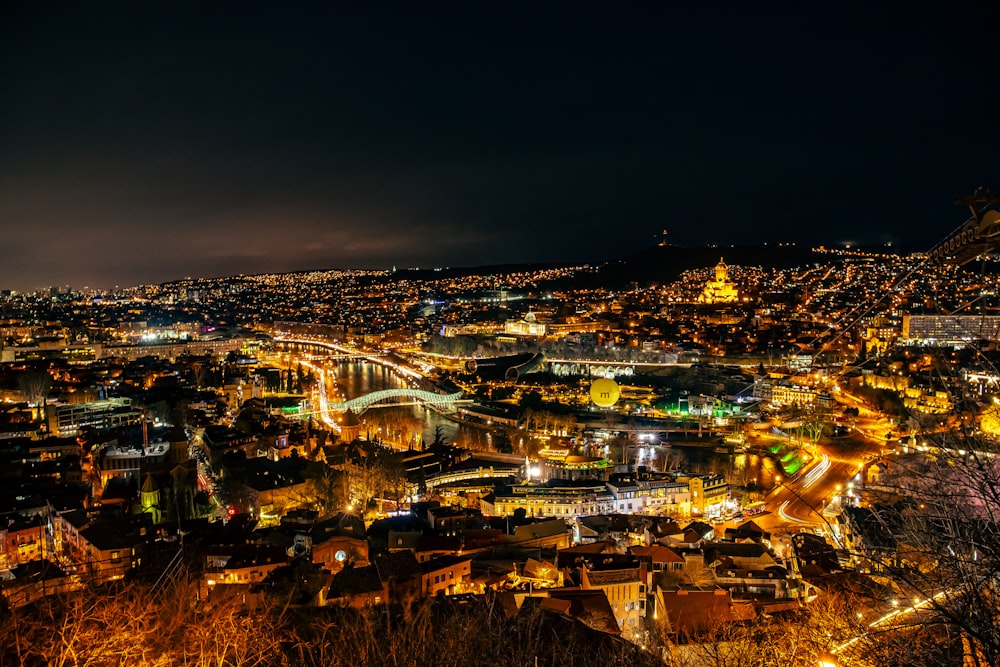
(149, 141)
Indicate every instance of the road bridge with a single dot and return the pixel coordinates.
(330, 350)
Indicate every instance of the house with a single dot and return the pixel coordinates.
(702, 530)
(622, 528)
(34, 580)
(22, 539)
(772, 583)
(662, 532)
(339, 540)
(870, 533)
(395, 578)
(429, 547)
(358, 587)
(589, 607)
(107, 545)
(688, 615)
(276, 487)
(747, 556)
(748, 531)
(545, 534)
(708, 492)
(657, 558)
(298, 583)
(575, 556)
(541, 573)
(447, 520)
(402, 574)
(445, 575)
(815, 556)
(241, 564)
(481, 539)
(623, 581)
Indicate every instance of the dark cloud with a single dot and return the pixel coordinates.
(148, 142)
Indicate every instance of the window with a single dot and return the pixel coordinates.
(116, 557)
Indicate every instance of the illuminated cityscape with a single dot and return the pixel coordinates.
(658, 466)
(397, 335)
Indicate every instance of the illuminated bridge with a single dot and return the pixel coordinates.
(330, 350)
(364, 402)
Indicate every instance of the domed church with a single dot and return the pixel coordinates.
(720, 290)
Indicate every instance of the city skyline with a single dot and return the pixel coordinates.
(149, 144)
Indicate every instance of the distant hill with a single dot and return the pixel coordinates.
(665, 263)
(655, 264)
(662, 264)
(460, 271)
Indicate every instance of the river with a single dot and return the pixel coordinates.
(359, 376)
(403, 425)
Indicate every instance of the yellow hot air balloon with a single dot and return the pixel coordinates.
(605, 392)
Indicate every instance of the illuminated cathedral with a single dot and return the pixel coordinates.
(720, 290)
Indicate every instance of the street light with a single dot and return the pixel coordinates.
(826, 659)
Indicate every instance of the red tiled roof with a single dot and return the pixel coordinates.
(657, 554)
(592, 548)
(691, 613)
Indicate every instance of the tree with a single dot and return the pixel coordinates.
(367, 473)
(814, 426)
(35, 387)
(502, 442)
(327, 491)
(800, 638)
(395, 483)
(202, 503)
(131, 625)
(944, 519)
(439, 438)
(198, 374)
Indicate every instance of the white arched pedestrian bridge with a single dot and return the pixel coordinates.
(364, 402)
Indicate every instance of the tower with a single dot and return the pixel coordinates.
(150, 498)
(721, 271)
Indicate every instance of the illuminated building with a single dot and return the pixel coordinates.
(624, 584)
(720, 290)
(555, 498)
(127, 461)
(575, 467)
(708, 492)
(686, 495)
(950, 329)
(790, 394)
(529, 326)
(66, 419)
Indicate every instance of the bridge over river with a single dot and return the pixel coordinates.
(392, 397)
